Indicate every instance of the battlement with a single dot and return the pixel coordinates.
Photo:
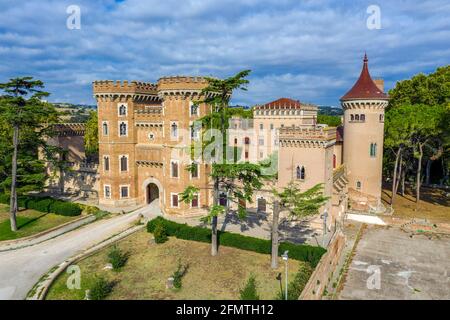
(69, 129)
(181, 83)
(110, 86)
(308, 133)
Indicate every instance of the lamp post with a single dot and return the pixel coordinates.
(324, 217)
(285, 259)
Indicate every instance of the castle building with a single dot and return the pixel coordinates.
(146, 132)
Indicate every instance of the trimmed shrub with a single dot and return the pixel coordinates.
(299, 252)
(40, 204)
(117, 258)
(46, 204)
(66, 208)
(249, 292)
(160, 233)
(100, 289)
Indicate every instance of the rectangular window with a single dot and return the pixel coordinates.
(174, 169)
(271, 126)
(261, 141)
(106, 163)
(174, 200)
(107, 191)
(373, 150)
(261, 126)
(195, 202)
(124, 191)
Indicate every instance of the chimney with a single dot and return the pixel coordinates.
(380, 84)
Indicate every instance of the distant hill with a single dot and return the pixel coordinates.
(330, 110)
(73, 106)
(73, 113)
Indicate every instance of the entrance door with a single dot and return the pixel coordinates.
(152, 192)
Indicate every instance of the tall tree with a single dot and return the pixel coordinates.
(91, 135)
(416, 105)
(426, 126)
(23, 110)
(397, 137)
(237, 180)
(297, 204)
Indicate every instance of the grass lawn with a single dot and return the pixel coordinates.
(29, 222)
(149, 265)
(434, 205)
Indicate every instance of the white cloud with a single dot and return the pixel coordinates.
(302, 49)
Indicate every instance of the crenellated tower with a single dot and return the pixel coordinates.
(116, 105)
(180, 98)
(364, 107)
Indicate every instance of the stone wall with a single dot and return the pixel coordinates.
(327, 264)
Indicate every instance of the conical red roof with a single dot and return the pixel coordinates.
(365, 88)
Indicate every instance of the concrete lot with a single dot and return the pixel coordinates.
(390, 265)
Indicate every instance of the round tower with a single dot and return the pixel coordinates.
(364, 108)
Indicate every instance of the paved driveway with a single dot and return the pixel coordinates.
(21, 269)
(389, 264)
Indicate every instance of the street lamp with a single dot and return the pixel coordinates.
(324, 216)
(285, 259)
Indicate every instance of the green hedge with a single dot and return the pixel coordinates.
(183, 231)
(46, 204)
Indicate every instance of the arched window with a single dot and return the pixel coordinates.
(381, 117)
(358, 185)
(223, 199)
(123, 131)
(174, 130)
(352, 117)
(122, 110)
(105, 128)
(106, 163)
(194, 169)
(356, 117)
(235, 140)
(334, 161)
(174, 169)
(300, 173)
(194, 109)
(363, 117)
(123, 163)
(247, 140)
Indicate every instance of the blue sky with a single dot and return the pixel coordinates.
(309, 50)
